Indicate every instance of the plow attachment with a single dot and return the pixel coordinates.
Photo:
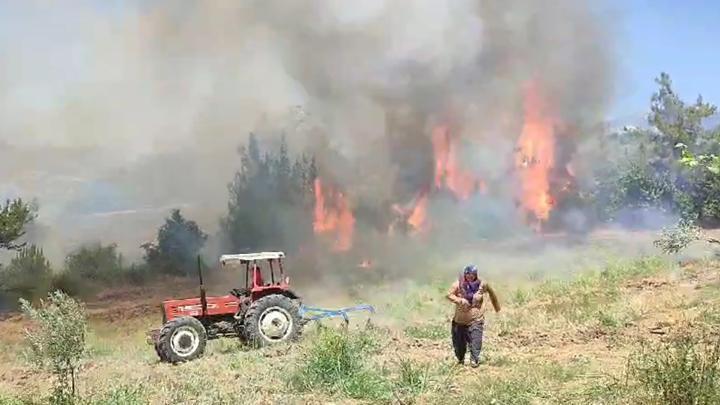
(314, 314)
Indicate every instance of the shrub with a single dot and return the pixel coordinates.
(684, 370)
(337, 361)
(137, 274)
(673, 240)
(89, 267)
(58, 341)
(95, 263)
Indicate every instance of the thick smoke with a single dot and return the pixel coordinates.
(113, 115)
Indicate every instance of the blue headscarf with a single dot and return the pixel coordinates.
(469, 288)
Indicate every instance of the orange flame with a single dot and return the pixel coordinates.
(447, 168)
(418, 216)
(536, 155)
(337, 219)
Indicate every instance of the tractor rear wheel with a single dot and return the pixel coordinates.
(272, 319)
(182, 339)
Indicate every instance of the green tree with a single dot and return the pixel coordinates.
(178, 243)
(58, 342)
(675, 122)
(268, 198)
(14, 216)
(28, 275)
(670, 166)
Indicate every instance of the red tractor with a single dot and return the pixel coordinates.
(263, 313)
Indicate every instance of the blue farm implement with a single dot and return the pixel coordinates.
(315, 314)
(261, 313)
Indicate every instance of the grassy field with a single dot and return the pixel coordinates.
(631, 331)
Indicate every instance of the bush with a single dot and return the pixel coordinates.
(337, 361)
(95, 263)
(94, 266)
(71, 284)
(673, 240)
(58, 342)
(138, 274)
(684, 370)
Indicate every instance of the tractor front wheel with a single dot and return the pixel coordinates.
(182, 339)
(272, 319)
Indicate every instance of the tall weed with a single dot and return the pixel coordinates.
(683, 371)
(338, 361)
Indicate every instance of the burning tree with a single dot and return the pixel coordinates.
(333, 215)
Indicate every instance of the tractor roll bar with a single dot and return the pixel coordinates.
(250, 257)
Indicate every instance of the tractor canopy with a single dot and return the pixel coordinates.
(254, 279)
(251, 257)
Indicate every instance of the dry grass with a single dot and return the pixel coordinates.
(558, 341)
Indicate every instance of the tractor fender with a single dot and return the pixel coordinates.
(291, 294)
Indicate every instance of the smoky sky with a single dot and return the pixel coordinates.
(112, 114)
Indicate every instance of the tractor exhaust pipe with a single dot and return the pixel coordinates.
(203, 299)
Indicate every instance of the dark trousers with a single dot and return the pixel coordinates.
(464, 335)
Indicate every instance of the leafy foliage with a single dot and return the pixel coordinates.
(671, 167)
(635, 186)
(675, 239)
(178, 242)
(28, 275)
(58, 342)
(269, 196)
(14, 216)
(95, 262)
(88, 267)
